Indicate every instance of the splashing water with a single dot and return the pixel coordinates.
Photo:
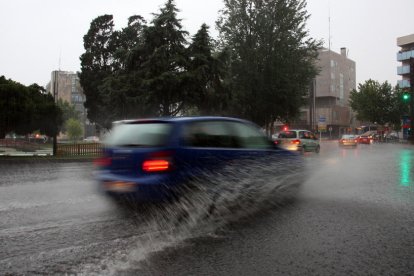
(207, 203)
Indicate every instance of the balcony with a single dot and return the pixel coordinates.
(401, 56)
(404, 83)
(402, 70)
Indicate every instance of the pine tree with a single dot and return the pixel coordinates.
(167, 64)
(207, 72)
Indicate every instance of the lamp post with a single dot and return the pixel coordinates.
(411, 137)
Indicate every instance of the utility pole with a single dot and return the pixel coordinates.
(411, 137)
(312, 107)
(55, 97)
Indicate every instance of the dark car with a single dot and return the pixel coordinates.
(151, 159)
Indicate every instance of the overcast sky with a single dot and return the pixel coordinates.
(39, 36)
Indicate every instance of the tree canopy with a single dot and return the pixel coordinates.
(208, 75)
(260, 68)
(74, 129)
(24, 109)
(68, 112)
(378, 102)
(97, 63)
(272, 57)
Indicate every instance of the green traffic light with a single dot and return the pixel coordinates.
(406, 96)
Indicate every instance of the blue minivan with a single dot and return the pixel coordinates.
(151, 159)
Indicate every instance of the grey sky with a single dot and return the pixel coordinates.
(38, 35)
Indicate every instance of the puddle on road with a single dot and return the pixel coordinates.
(238, 191)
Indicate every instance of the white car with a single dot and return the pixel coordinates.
(94, 139)
(298, 140)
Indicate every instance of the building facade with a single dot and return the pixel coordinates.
(406, 70)
(66, 86)
(328, 110)
(406, 52)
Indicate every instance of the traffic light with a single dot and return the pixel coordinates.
(285, 128)
(406, 96)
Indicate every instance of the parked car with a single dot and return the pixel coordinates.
(367, 137)
(392, 137)
(37, 138)
(348, 140)
(93, 139)
(298, 140)
(151, 159)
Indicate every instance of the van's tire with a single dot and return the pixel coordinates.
(303, 150)
(318, 149)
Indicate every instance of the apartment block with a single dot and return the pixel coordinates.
(406, 52)
(328, 107)
(65, 85)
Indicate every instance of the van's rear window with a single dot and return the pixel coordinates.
(287, 134)
(139, 134)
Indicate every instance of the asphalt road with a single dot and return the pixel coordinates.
(353, 216)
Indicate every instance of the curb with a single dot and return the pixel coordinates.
(43, 159)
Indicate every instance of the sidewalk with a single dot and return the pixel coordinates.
(6, 151)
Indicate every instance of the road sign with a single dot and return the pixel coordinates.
(321, 127)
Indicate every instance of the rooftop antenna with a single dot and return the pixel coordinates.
(329, 25)
(60, 55)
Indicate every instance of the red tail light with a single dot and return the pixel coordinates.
(276, 142)
(296, 142)
(102, 162)
(155, 165)
(157, 162)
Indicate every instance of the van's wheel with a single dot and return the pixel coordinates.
(303, 150)
(318, 148)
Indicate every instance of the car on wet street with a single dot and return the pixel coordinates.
(348, 140)
(91, 139)
(298, 140)
(367, 137)
(152, 159)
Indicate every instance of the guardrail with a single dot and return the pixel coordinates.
(78, 149)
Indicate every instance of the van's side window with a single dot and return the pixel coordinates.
(211, 134)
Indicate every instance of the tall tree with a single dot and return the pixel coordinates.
(207, 72)
(273, 58)
(97, 63)
(166, 67)
(123, 91)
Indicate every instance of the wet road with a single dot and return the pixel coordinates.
(353, 216)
